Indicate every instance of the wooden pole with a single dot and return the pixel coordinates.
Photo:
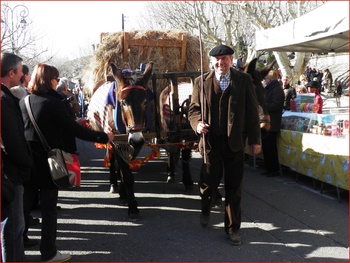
(202, 92)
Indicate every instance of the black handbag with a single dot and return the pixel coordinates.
(55, 157)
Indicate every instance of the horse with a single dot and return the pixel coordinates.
(166, 110)
(120, 106)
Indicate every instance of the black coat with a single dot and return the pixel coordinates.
(54, 122)
(17, 161)
(274, 99)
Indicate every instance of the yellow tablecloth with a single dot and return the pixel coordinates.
(324, 158)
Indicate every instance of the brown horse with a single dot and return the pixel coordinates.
(128, 97)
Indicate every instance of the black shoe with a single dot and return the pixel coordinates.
(170, 179)
(234, 238)
(33, 221)
(113, 189)
(29, 242)
(204, 219)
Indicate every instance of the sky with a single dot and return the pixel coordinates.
(67, 27)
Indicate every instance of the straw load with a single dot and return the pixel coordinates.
(171, 51)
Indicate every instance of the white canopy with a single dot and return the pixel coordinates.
(324, 29)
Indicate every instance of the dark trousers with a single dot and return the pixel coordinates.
(30, 196)
(221, 161)
(269, 148)
(48, 205)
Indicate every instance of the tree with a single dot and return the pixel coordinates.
(232, 23)
(16, 33)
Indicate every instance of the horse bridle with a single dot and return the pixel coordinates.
(133, 87)
(134, 128)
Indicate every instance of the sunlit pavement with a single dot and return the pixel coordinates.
(282, 220)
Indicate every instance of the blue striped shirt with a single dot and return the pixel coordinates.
(223, 81)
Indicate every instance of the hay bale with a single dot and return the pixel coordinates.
(111, 50)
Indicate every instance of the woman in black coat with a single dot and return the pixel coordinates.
(54, 122)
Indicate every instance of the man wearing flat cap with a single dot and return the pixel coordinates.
(230, 117)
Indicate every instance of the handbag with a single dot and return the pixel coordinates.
(56, 157)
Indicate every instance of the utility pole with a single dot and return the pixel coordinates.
(123, 19)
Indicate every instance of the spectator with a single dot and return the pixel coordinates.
(300, 88)
(313, 88)
(54, 122)
(319, 79)
(338, 93)
(225, 135)
(21, 90)
(307, 73)
(274, 98)
(16, 158)
(289, 93)
(62, 89)
(80, 94)
(327, 80)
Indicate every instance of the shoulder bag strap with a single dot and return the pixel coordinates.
(31, 116)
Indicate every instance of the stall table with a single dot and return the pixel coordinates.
(324, 158)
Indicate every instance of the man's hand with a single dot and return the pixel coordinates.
(255, 149)
(202, 128)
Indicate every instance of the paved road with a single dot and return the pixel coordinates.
(282, 220)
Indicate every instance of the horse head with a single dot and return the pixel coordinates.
(132, 97)
(258, 76)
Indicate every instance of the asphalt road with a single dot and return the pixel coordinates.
(282, 220)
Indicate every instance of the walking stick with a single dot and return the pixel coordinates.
(202, 92)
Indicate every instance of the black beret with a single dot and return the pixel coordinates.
(221, 50)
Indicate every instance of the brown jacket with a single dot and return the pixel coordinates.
(243, 117)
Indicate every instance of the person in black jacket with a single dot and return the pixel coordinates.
(16, 158)
(274, 99)
(54, 122)
(289, 92)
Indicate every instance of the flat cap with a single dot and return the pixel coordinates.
(221, 50)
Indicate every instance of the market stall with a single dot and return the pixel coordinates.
(316, 145)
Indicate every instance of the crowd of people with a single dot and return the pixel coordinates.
(229, 120)
(28, 169)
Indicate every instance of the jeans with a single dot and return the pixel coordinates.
(12, 227)
(48, 204)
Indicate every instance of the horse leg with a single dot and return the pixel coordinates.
(186, 173)
(113, 177)
(173, 158)
(127, 183)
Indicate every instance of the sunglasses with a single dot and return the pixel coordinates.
(58, 79)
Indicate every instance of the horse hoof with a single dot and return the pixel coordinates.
(170, 180)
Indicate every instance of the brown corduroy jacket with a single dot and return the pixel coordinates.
(243, 118)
